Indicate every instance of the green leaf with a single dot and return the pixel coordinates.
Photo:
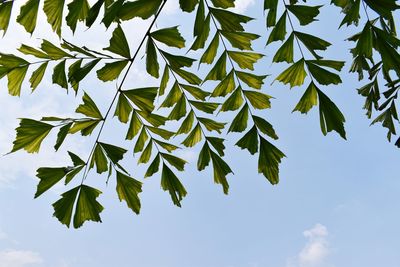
(226, 86)
(194, 137)
(223, 3)
(54, 12)
(203, 34)
(249, 141)
(179, 111)
(221, 170)
(11, 61)
(195, 92)
(111, 71)
(204, 157)
(188, 76)
(27, 50)
(271, 6)
(234, 101)
(265, 127)
(63, 208)
(143, 98)
(152, 118)
(128, 189)
(114, 153)
(258, 100)
(76, 160)
(78, 10)
(15, 79)
(48, 178)
(187, 124)
(252, 80)
(140, 8)
(30, 134)
(89, 108)
(211, 125)
(37, 76)
(59, 77)
(153, 168)
(188, 5)
(269, 159)
(323, 76)
(305, 14)
(294, 75)
(240, 40)
(279, 31)
(171, 183)
(217, 144)
(177, 62)
(99, 159)
(141, 141)
(308, 100)
(118, 43)
(312, 43)
(93, 13)
(87, 207)
(5, 14)
(134, 126)
(218, 72)
(28, 15)
(330, 116)
(245, 60)
(178, 163)
(161, 132)
(167, 146)
(86, 126)
(174, 95)
(146, 154)
(239, 123)
(205, 106)
(285, 52)
(152, 66)
(169, 36)
(229, 21)
(62, 134)
(123, 109)
(53, 51)
(210, 53)
(164, 81)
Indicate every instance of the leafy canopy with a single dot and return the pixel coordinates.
(224, 49)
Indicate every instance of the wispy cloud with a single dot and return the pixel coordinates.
(242, 5)
(19, 258)
(315, 251)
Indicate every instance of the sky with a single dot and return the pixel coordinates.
(336, 205)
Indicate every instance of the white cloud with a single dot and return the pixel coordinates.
(19, 258)
(242, 5)
(315, 251)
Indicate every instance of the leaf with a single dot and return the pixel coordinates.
(28, 15)
(279, 31)
(167, 146)
(179, 111)
(207, 107)
(188, 5)
(53, 51)
(99, 159)
(174, 95)
(240, 40)
(229, 21)
(169, 36)
(211, 125)
(143, 98)
(294, 75)
(249, 141)
(217, 144)
(54, 12)
(171, 183)
(118, 43)
(154, 166)
(128, 189)
(27, 50)
(330, 116)
(140, 8)
(77, 10)
(93, 13)
(161, 132)
(30, 134)
(194, 137)
(195, 92)
(258, 100)
(221, 170)
(141, 141)
(265, 127)
(218, 72)
(312, 43)
(89, 108)
(178, 163)
(252, 80)
(37, 76)
(269, 159)
(239, 123)
(152, 65)
(223, 3)
(87, 207)
(152, 118)
(5, 14)
(77, 161)
(15, 79)
(164, 81)
(204, 157)
(188, 76)
(48, 178)
(187, 124)
(59, 77)
(308, 100)
(285, 52)
(177, 62)
(134, 126)
(63, 208)
(323, 76)
(146, 154)
(234, 101)
(226, 86)
(203, 34)
(211, 51)
(111, 71)
(62, 134)
(86, 126)
(114, 153)
(305, 14)
(123, 109)
(245, 60)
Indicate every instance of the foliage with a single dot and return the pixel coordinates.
(227, 48)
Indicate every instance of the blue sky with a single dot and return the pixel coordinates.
(336, 204)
